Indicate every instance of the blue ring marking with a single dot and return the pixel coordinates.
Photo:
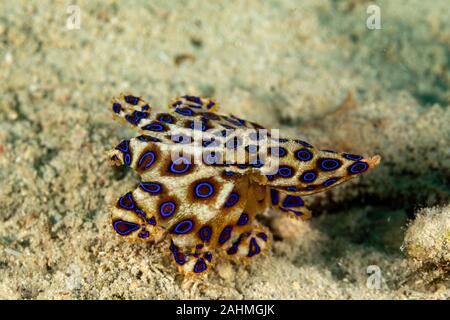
(205, 233)
(199, 246)
(129, 198)
(130, 227)
(256, 136)
(308, 176)
(257, 164)
(274, 195)
(152, 221)
(242, 166)
(262, 235)
(176, 254)
(233, 143)
(117, 107)
(185, 112)
(177, 103)
(210, 116)
(180, 260)
(225, 234)
(183, 227)
(193, 99)
(171, 208)
(285, 171)
(228, 173)
(329, 182)
(233, 248)
(138, 115)
(303, 143)
(251, 148)
(123, 146)
(167, 118)
(211, 158)
(181, 138)
(146, 107)
(132, 100)
(269, 177)
(350, 156)
(154, 127)
(233, 198)
(186, 167)
(140, 212)
(278, 151)
(210, 105)
(235, 121)
(201, 185)
(243, 219)
(303, 155)
(292, 201)
(225, 132)
(352, 169)
(194, 127)
(130, 119)
(200, 266)
(206, 143)
(292, 188)
(211, 142)
(329, 164)
(309, 188)
(127, 159)
(146, 138)
(150, 187)
(146, 155)
(241, 121)
(254, 249)
(208, 256)
(144, 235)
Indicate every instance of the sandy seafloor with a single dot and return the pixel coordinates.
(310, 68)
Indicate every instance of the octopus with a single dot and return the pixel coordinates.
(205, 176)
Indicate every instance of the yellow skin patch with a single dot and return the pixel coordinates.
(205, 176)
